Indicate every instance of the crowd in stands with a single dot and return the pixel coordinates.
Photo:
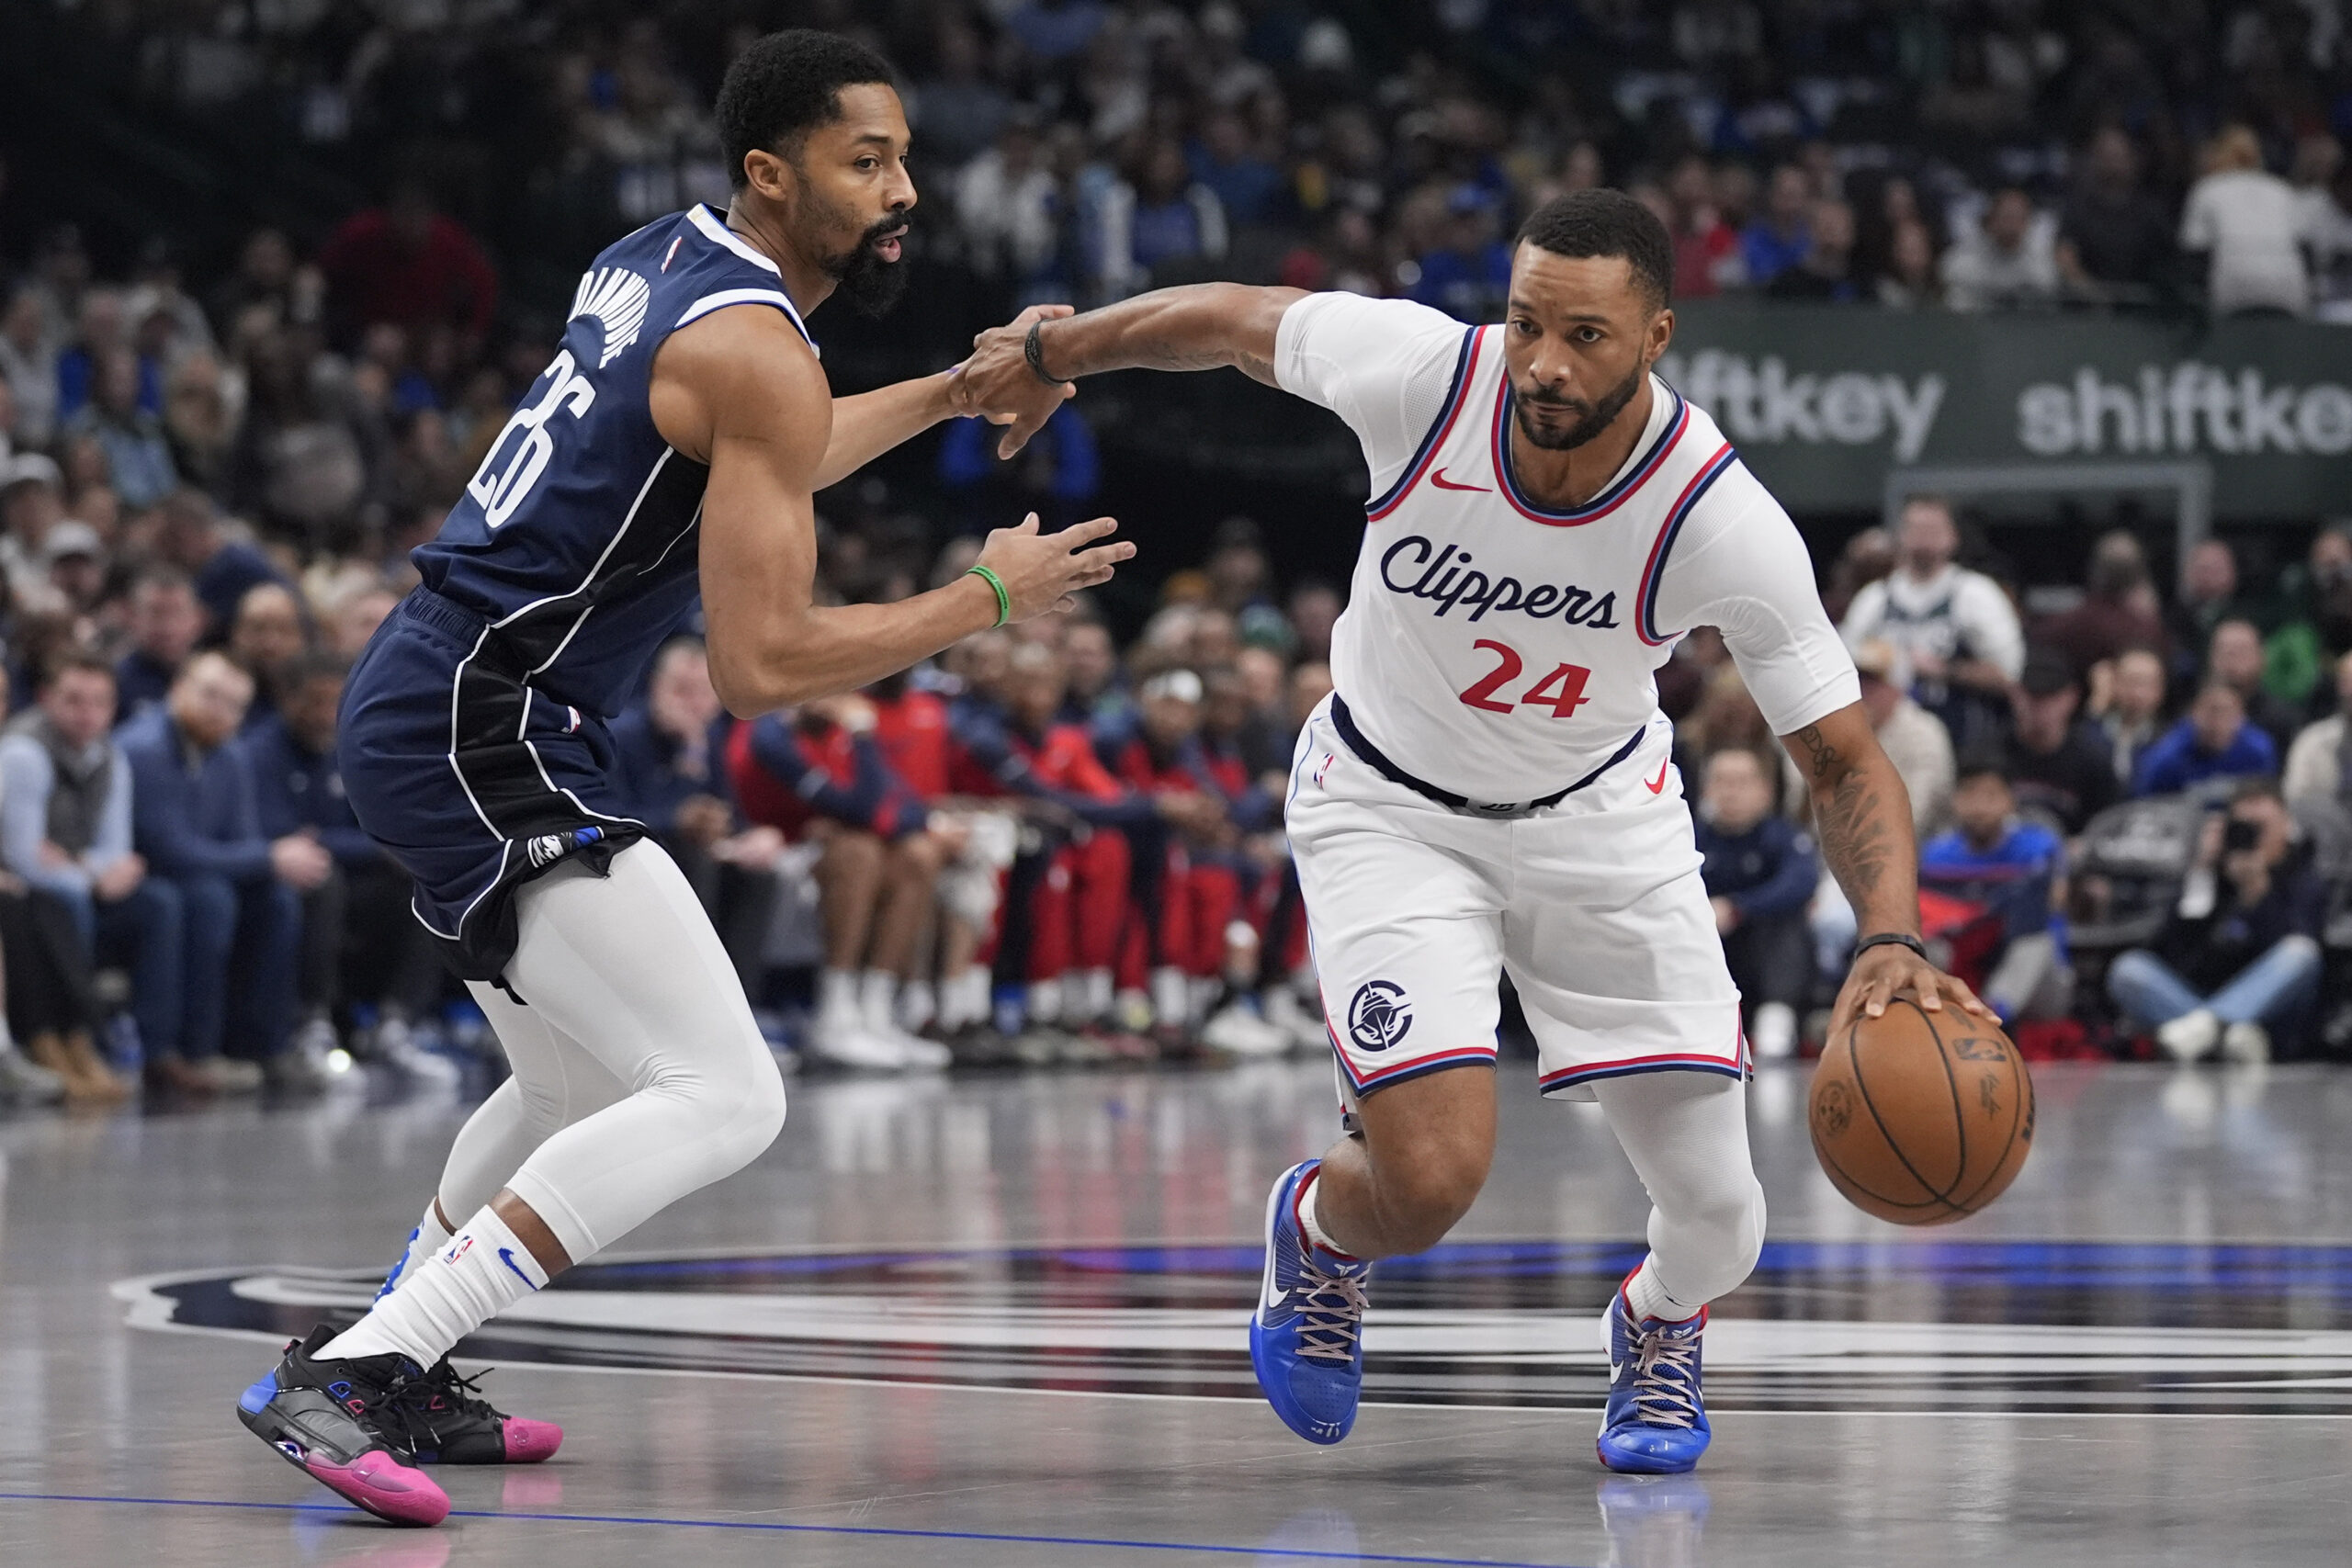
(2134, 812)
(1048, 846)
(2015, 153)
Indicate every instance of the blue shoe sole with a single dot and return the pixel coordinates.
(1644, 1464)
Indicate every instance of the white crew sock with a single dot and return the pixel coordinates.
(429, 1237)
(837, 997)
(1170, 998)
(963, 1000)
(1044, 1002)
(480, 1273)
(1312, 1223)
(1648, 1298)
(1095, 994)
(877, 1001)
(918, 1005)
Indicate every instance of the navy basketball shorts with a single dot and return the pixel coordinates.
(474, 782)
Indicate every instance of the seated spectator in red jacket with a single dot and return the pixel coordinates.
(1069, 906)
(821, 775)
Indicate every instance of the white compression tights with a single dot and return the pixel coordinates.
(1686, 1135)
(639, 1074)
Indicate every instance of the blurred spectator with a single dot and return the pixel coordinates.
(269, 287)
(1987, 889)
(1914, 739)
(103, 327)
(2115, 237)
(408, 264)
(2130, 715)
(1157, 217)
(1778, 238)
(1008, 204)
(29, 364)
(2249, 226)
(1909, 280)
(356, 922)
(2237, 964)
(201, 420)
(1222, 161)
(1313, 610)
(2009, 259)
(1956, 630)
(77, 567)
(2054, 765)
(2313, 625)
(2120, 607)
(1706, 250)
(1825, 273)
(2208, 595)
(1867, 557)
(139, 459)
(2214, 741)
(1760, 872)
(267, 636)
(1469, 277)
(2328, 228)
(166, 622)
(955, 110)
(195, 819)
(1056, 30)
(65, 828)
(2319, 765)
(2235, 655)
(671, 772)
(31, 503)
(219, 568)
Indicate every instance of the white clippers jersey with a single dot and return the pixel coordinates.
(1503, 652)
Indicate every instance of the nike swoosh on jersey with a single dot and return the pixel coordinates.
(1439, 479)
(1657, 784)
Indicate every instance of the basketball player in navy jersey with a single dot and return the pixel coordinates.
(1490, 787)
(671, 446)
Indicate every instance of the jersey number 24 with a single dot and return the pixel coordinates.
(1562, 691)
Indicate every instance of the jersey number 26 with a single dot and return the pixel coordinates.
(499, 490)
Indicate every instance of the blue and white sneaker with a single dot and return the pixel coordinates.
(1307, 1336)
(1657, 1421)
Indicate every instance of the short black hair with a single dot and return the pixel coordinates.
(1607, 224)
(785, 86)
(1983, 761)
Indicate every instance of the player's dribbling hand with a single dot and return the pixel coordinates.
(996, 383)
(1040, 571)
(1885, 974)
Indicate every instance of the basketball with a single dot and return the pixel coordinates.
(1921, 1118)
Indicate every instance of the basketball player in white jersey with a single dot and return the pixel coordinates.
(1488, 790)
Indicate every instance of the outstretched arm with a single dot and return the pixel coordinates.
(1861, 815)
(1201, 326)
(740, 391)
(870, 423)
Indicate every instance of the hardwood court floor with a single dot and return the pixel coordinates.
(999, 1320)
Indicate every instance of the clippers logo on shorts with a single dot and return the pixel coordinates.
(1380, 1016)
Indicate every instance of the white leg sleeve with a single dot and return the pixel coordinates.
(625, 974)
(555, 1083)
(1686, 1134)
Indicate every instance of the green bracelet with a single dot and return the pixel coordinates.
(1004, 599)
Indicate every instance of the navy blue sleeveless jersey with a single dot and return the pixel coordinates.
(473, 743)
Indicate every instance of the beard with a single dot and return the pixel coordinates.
(865, 281)
(1595, 417)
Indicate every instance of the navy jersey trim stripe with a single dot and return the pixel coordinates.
(1465, 360)
(1654, 572)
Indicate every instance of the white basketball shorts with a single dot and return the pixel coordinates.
(1594, 906)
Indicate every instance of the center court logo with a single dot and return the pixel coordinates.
(1380, 1016)
(1851, 1325)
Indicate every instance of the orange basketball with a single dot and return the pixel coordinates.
(1920, 1118)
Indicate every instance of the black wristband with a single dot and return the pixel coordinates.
(1891, 939)
(1033, 351)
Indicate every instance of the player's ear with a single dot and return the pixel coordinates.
(1661, 333)
(769, 174)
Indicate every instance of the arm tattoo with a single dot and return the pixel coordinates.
(1849, 816)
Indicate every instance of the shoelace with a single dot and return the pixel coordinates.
(411, 1399)
(1331, 1309)
(1664, 1371)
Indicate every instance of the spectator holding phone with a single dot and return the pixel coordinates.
(2238, 963)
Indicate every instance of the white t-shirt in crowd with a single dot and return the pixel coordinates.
(1956, 614)
(2252, 223)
